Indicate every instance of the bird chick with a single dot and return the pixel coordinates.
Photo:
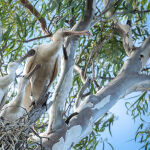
(48, 55)
(14, 110)
(6, 80)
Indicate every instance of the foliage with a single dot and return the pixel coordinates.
(143, 136)
(19, 25)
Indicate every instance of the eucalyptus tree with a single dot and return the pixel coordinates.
(97, 72)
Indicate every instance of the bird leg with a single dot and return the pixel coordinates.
(65, 53)
(29, 76)
(33, 100)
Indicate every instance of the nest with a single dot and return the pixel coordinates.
(14, 135)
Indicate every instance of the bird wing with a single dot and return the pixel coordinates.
(30, 63)
(55, 70)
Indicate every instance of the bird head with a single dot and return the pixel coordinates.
(62, 33)
(12, 67)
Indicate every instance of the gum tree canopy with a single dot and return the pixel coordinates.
(95, 73)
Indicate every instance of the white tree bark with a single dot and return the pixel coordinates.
(94, 106)
(61, 136)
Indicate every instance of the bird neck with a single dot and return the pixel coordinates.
(7, 79)
(20, 94)
(49, 50)
(58, 40)
(57, 43)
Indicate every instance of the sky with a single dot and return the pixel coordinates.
(123, 129)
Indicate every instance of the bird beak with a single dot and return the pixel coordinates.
(69, 33)
(29, 54)
(28, 76)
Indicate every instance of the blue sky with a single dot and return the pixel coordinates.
(123, 129)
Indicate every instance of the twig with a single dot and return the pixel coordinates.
(78, 69)
(95, 82)
(93, 70)
(3, 47)
(37, 38)
(50, 23)
(1, 32)
(84, 87)
(105, 78)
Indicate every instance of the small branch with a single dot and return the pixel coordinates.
(146, 69)
(78, 69)
(108, 6)
(95, 82)
(84, 87)
(93, 70)
(105, 78)
(37, 38)
(135, 11)
(38, 16)
(3, 47)
(72, 115)
(50, 23)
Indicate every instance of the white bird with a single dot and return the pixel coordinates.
(14, 110)
(48, 56)
(6, 80)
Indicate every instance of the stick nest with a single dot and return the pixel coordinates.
(14, 135)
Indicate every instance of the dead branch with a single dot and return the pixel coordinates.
(38, 16)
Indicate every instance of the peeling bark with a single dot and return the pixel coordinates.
(94, 106)
(62, 136)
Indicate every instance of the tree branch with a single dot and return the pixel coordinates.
(37, 38)
(38, 16)
(126, 34)
(78, 69)
(142, 85)
(94, 106)
(65, 82)
(82, 90)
